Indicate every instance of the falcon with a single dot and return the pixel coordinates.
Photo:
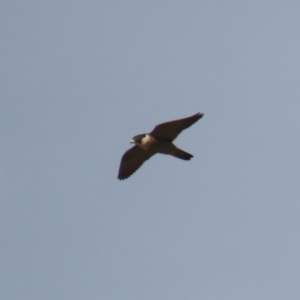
(159, 140)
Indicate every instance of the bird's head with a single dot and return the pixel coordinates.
(138, 139)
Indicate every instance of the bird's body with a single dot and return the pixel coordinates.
(157, 145)
(159, 140)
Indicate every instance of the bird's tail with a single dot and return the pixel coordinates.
(181, 154)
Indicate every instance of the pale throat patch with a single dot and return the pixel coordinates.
(146, 139)
(145, 142)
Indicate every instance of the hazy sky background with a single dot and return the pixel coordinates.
(79, 79)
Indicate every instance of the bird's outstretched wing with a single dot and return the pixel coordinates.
(170, 130)
(132, 160)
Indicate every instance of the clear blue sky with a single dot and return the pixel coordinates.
(79, 79)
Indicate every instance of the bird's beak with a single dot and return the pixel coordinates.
(132, 141)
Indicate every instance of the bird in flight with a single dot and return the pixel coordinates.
(159, 140)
